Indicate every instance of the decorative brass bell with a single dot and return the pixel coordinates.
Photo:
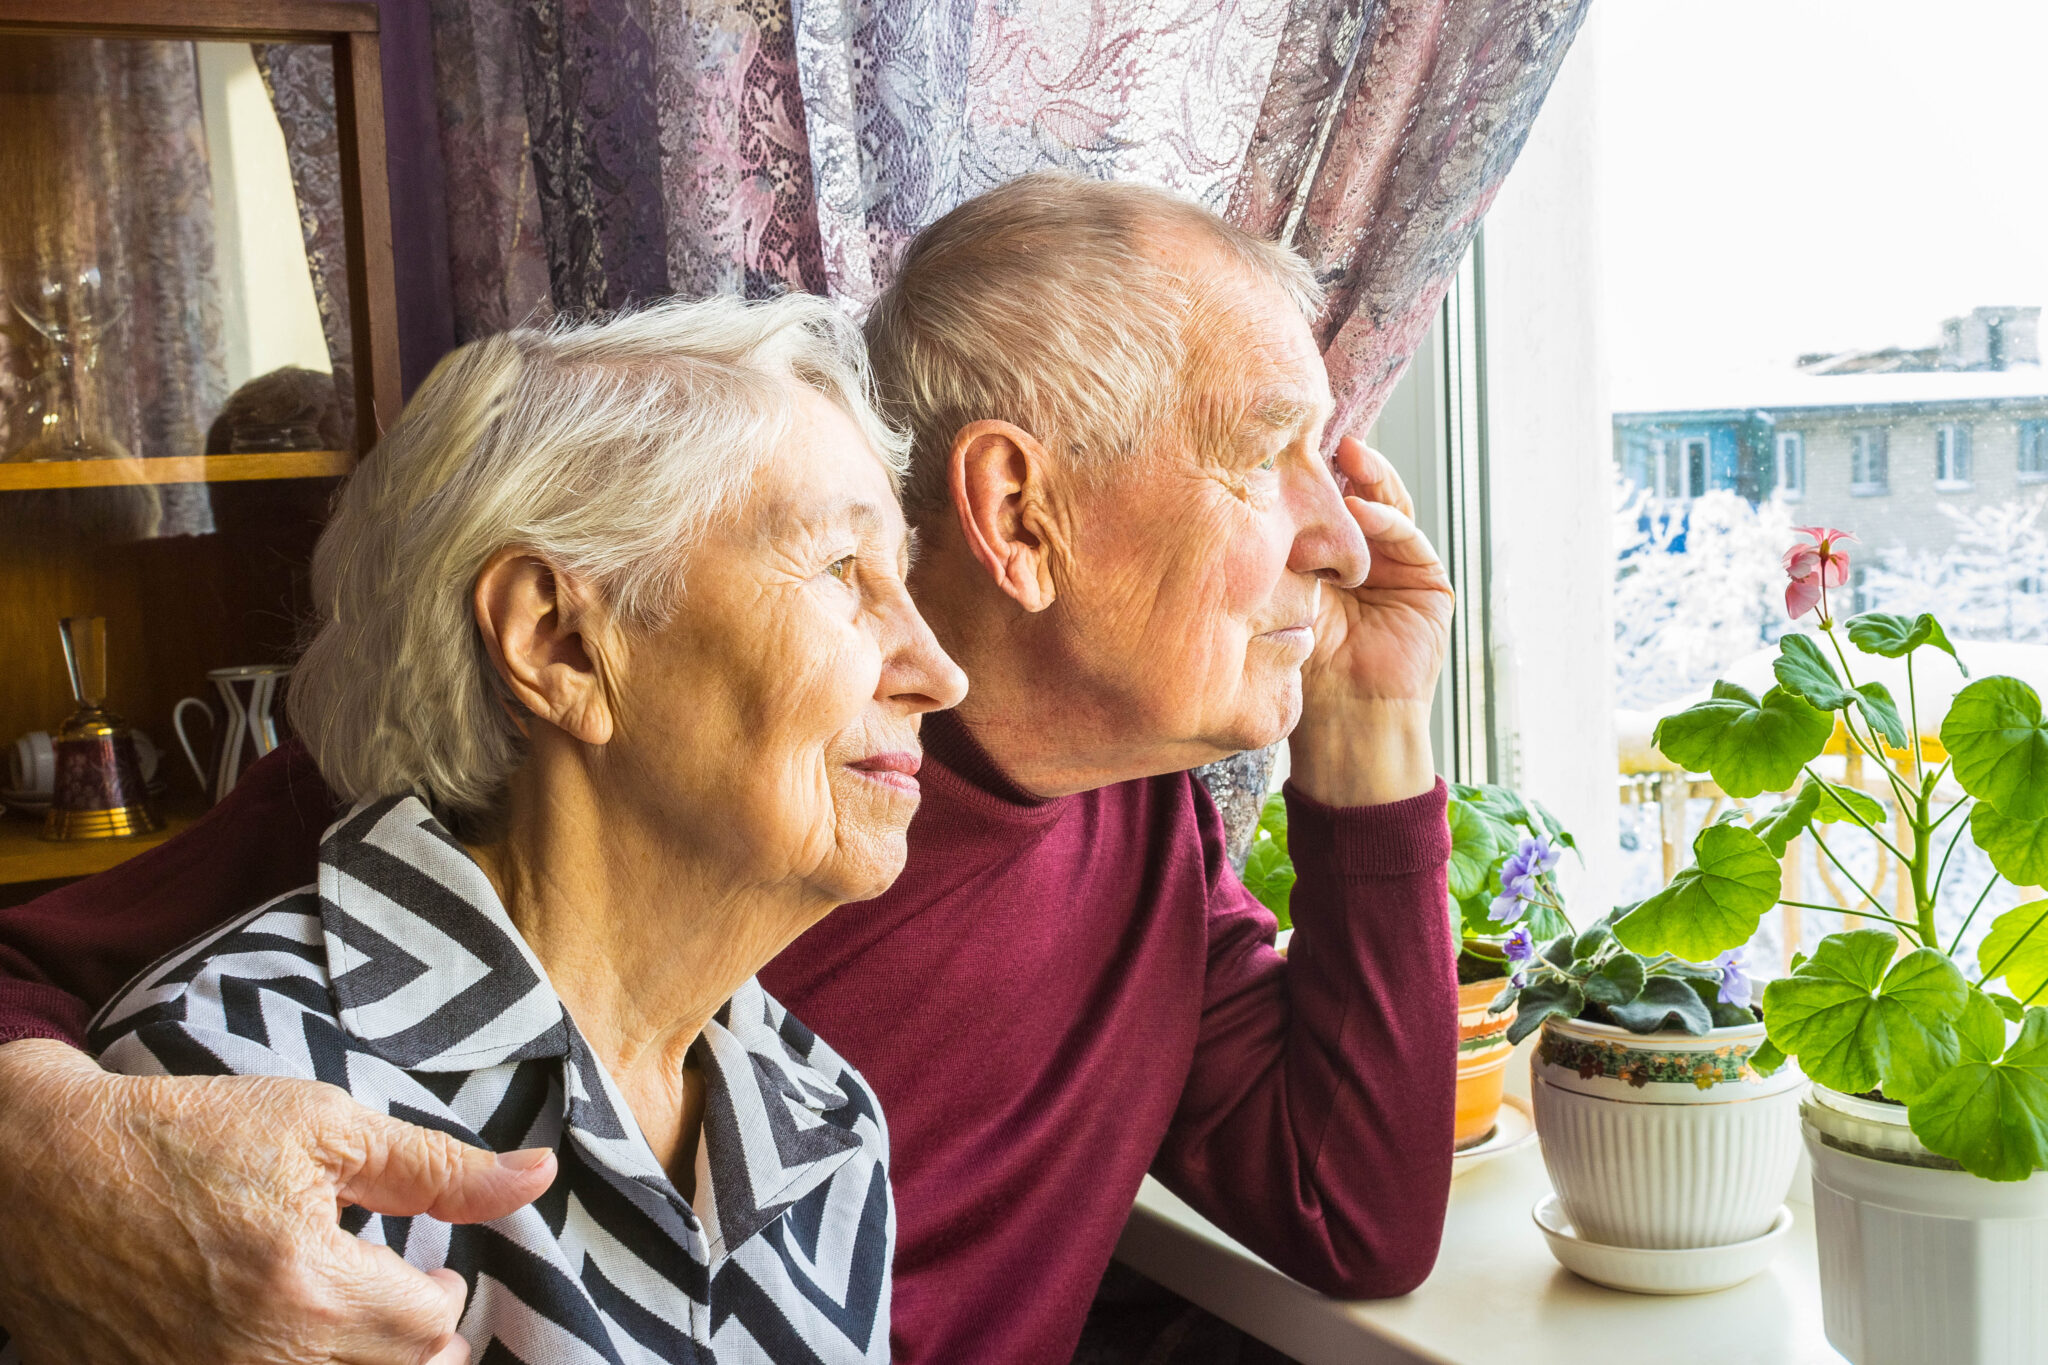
(99, 792)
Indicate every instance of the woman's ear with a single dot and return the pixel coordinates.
(1000, 478)
(549, 648)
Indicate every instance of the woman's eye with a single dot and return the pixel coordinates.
(840, 568)
(1271, 462)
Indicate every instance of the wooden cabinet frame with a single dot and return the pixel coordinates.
(349, 30)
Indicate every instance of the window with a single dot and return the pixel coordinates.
(1952, 456)
(1869, 470)
(1693, 465)
(1791, 465)
(2033, 458)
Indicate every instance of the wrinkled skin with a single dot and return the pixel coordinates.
(191, 1221)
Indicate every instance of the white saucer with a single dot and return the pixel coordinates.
(1693, 1270)
(1515, 1128)
(28, 803)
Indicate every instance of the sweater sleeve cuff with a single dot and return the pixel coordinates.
(29, 1010)
(1398, 839)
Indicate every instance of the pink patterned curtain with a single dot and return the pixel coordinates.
(624, 149)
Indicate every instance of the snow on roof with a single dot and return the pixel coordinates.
(1778, 389)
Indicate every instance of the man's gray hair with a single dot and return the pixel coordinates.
(1053, 302)
(604, 448)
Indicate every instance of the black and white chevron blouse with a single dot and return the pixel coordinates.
(400, 978)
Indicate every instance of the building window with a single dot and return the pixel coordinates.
(1869, 471)
(1692, 465)
(1952, 456)
(2033, 466)
(1859, 590)
(1791, 465)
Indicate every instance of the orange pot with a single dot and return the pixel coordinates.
(1483, 1051)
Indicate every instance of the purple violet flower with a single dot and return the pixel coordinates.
(1518, 878)
(1521, 950)
(1736, 987)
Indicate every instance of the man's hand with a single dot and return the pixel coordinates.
(1367, 690)
(191, 1221)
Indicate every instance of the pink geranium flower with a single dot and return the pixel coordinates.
(1814, 567)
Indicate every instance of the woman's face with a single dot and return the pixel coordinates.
(773, 723)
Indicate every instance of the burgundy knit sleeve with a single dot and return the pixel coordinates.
(1316, 1123)
(64, 954)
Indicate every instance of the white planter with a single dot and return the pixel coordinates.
(1920, 1261)
(1664, 1140)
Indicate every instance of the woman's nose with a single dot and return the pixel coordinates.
(918, 674)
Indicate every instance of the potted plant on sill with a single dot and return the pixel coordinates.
(1928, 1121)
(1492, 828)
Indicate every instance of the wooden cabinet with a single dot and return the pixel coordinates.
(226, 584)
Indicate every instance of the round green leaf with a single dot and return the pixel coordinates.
(1881, 713)
(2017, 848)
(1990, 1112)
(1617, 981)
(1789, 819)
(1881, 632)
(1712, 906)
(1665, 1003)
(1802, 667)
(1748, 746)
(1539, 1000)
(1830, 802)
(1477, 841)
(2016, 948)
(1856, 1020)
(1995, 732)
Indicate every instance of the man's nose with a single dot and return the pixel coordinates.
(1327, 541)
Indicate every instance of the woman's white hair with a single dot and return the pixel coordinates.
(605, 448)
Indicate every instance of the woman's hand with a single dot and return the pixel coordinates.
(192, 1221)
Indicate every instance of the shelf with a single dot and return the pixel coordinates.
(25, 856)
(284, 464)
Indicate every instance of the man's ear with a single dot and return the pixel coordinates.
(550, 649)
(1000, 478)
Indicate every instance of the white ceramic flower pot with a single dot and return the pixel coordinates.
(1921, 1261)
(1664, 1140)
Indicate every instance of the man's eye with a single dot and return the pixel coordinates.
(840, 568)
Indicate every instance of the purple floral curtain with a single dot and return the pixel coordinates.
(300, 79)
(603, 151)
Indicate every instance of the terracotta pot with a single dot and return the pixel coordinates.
(1483, 1050)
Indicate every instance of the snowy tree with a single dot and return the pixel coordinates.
(1991, 583)
(1697, 585)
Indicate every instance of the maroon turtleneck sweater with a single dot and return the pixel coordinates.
(1054, 998)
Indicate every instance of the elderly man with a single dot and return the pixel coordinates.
(1134, 545)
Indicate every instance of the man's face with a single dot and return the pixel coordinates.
(1190, 592)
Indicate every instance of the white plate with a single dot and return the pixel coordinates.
(1693, 1270)
(1515, 1128)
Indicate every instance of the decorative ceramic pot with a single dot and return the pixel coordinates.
(1664, 1140)
(1483, 1051)
(1919, 1260)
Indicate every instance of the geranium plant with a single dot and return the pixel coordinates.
(1888, 1012)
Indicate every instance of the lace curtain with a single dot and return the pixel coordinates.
(602, 151)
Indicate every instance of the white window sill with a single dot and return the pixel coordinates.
(1869, 490)
(1952, 485)
(2033, 476)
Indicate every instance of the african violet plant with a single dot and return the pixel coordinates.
(1872, 1011)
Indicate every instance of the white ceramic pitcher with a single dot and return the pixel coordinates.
(248, 694)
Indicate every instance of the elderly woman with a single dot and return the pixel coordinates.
(615, 660)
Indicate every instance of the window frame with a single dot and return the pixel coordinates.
(1952, 454)
(1794, 444)
(1869, 447)
(2032, 447)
